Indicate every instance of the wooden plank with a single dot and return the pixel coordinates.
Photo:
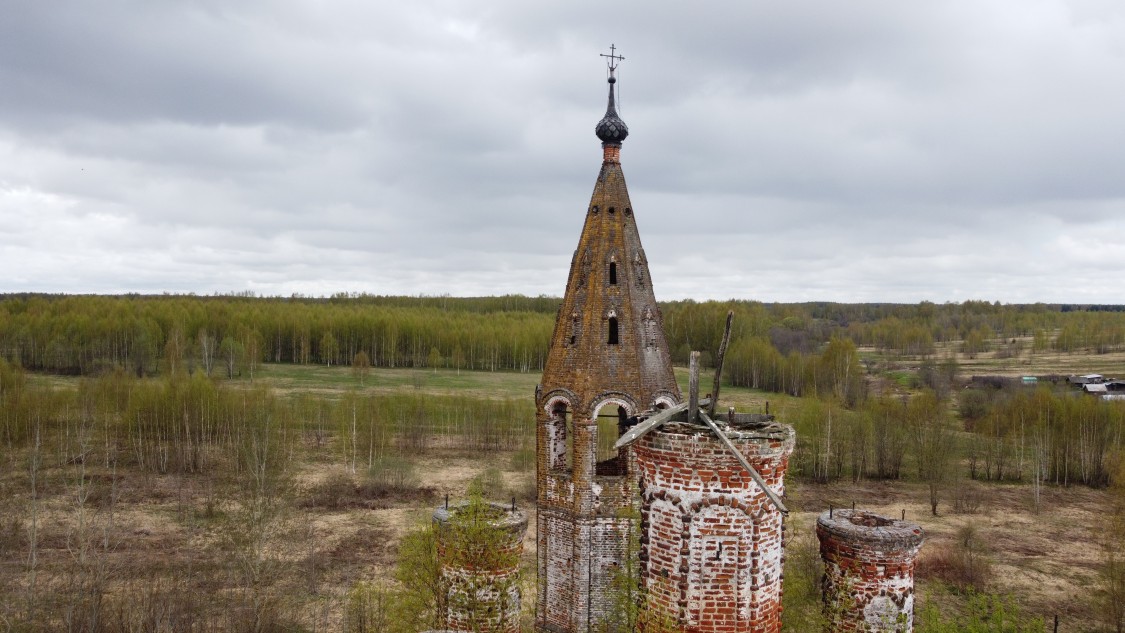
(693, 387)
(654, 422)
(719, 365)
(773, 497)
(644, 428)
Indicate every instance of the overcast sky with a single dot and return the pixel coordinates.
(778, 151)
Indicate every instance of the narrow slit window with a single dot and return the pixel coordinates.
(613, 330)
(613, 273)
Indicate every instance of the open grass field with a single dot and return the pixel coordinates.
(1025, 362)
(333, 381)
(103, 539)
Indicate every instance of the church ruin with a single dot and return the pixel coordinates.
(627, 471)
(618, 452)
(608, 362)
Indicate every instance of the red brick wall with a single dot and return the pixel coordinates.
(868, 570)
(711, 542)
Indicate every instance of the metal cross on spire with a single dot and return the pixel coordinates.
(612, 58)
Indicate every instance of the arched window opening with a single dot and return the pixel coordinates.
(611, 426)
(560, 438)
(613, 331)
(613, 273)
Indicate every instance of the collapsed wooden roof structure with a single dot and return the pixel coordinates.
(701, 412)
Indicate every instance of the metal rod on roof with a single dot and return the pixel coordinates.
(719, 366)
(770, 494)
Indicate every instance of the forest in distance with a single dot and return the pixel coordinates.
(163, 408)
(84, 334)
(807, 349)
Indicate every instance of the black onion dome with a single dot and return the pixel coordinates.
(611, 129)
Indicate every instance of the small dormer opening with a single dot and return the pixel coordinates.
(613, 273)
(613, 331)
(612, 210)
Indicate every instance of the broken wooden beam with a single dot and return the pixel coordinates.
(652, 423)
(719, 365)
(770, 494)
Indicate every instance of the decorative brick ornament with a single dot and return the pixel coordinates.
(711, 541)
(868, 570)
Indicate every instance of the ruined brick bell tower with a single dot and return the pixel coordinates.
(608, 362)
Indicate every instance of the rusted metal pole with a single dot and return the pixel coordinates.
(719, 366)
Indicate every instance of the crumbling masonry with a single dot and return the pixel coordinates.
(868, 570)
(711, 541)
(481, 588)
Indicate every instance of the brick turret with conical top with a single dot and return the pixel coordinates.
(608, 362)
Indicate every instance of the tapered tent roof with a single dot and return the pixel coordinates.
(609, 336)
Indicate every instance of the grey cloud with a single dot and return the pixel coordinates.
(850, 151)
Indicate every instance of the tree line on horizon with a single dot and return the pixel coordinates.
(775, 346)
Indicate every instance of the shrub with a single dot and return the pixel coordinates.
(337, 492)
(973, 404)
(964, 565)
(11, 534)
(802, 598)
(393, 472)
(983, 613)
(489, 484)
(967, 498)
(523, 460)
(368, 608)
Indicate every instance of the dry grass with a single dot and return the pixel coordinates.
(162, 527)
(168, 534)
(1026, 363)
(164, 539)
(336, 380)
(1047, 560)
